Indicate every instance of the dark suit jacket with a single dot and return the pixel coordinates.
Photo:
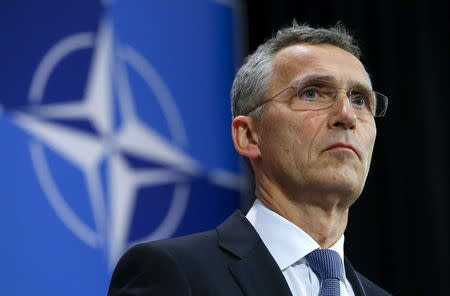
(229, 261)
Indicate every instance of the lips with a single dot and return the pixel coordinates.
(342, 146)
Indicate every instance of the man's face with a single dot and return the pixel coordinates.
(309, 151)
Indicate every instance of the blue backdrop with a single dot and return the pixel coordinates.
(114, 128)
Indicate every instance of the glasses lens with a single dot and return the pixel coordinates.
(381, 105)
(316, 98)
(313, 98)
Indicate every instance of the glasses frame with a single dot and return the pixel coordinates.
(298, 88)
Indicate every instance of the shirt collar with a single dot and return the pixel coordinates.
(286, 242)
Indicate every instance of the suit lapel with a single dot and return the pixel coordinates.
(255, 270)
(353, 278)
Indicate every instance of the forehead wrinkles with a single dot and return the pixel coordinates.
(285, 66)
(291, 63)
(331, 80)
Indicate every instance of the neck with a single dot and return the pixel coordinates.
(322, 216)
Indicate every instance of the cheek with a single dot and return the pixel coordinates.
(308, 129)
(369, 141)
(277, 139)
(272, 138)
(292, 134)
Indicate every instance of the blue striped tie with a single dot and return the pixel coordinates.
(328, 265)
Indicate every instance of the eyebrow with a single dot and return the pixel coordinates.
(329, 78)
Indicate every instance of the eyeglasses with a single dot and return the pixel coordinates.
(316, 97)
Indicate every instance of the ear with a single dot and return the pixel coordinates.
(245, 136)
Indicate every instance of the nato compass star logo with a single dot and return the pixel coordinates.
(116, 136)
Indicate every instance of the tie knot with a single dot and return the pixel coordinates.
(326, 263)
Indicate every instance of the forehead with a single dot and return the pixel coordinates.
(297, 61)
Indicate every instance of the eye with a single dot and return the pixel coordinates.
(361, 101)
(309, 94)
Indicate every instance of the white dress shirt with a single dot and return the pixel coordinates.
(289, 245)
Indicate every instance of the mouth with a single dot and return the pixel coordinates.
(342, 147)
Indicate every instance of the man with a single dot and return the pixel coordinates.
(303, 115)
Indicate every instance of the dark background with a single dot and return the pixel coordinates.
(398, 232)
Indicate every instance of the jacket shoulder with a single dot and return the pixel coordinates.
(196, 264)
(188, 243)
(148, 270)
(167, 252)
(371, 288)
(188, 265)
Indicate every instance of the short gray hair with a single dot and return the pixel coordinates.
(253, 78)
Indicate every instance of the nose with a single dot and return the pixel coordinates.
(342, 114)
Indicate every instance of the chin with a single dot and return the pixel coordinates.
(346, 183)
